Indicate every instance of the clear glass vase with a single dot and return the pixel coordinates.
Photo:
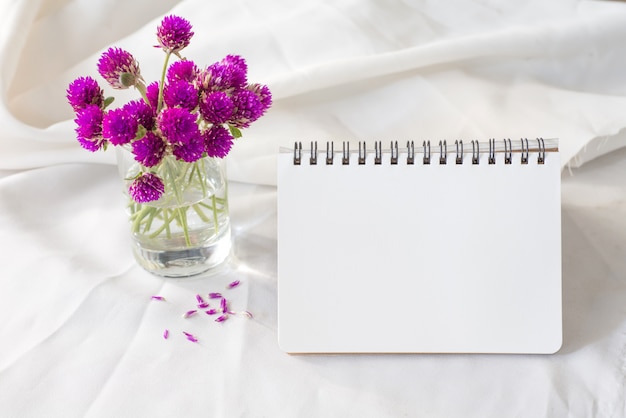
(187, 230)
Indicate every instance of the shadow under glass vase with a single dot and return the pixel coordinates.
(187, 230)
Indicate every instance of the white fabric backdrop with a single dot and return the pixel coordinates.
(345, 70)
(79, 335)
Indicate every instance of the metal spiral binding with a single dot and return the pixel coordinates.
(524, 142)
(541, 158)
(492, 151)
(330, 154)
(475, 152)
(378, 153)
(394, 151)
(345, 158)
(297, 153)
(443, 152)
(508, 152)
(459, 155)
(362, 154)
(410, 158)
(313, 158)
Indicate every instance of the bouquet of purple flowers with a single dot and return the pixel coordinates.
(174, 132)
(190, 113)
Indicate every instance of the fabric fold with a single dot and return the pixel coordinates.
(573, 47)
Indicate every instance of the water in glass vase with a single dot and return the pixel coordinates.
(166, 249)
(187, 231)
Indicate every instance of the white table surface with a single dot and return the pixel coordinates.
(81, 336)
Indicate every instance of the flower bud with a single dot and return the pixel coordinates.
(128, 79)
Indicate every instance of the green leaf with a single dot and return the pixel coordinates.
(235, 132)
(108, 101)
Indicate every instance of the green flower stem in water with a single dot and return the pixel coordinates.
(214, 212)
(139, 216)
(188, 190)
(168, 232)
(201, 214)
(163, 227)
(151, 215)
(182, 215)
(180, 212)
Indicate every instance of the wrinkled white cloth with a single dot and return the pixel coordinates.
(80, 335)
(345, 70)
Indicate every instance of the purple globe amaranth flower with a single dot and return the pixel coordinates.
(229, 74)
(217, 141)
(152, 93)
(89, 128)
(174, 33)
(147, 187)
(181, 94)
(216, 107)
(119, 68)
(84, 91)
(189, 150)
(91, 145)
(184, 70)
(149, 150)
(119, 126)
(248, 108)
(142, 112)
(236, 71)
(264, 94)
(178, 125)
(89, 122)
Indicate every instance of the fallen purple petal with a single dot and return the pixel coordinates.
(215, 295)
(221, 318)
(190, 337)
(233, 284)
(189, 313)
(223, 306)
(200, 299)
(166, 334)
(211, 312)
(203, 305)
(157, 298)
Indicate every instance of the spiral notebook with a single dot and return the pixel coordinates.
(449, 248)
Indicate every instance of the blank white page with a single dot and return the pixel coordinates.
(419, 258)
